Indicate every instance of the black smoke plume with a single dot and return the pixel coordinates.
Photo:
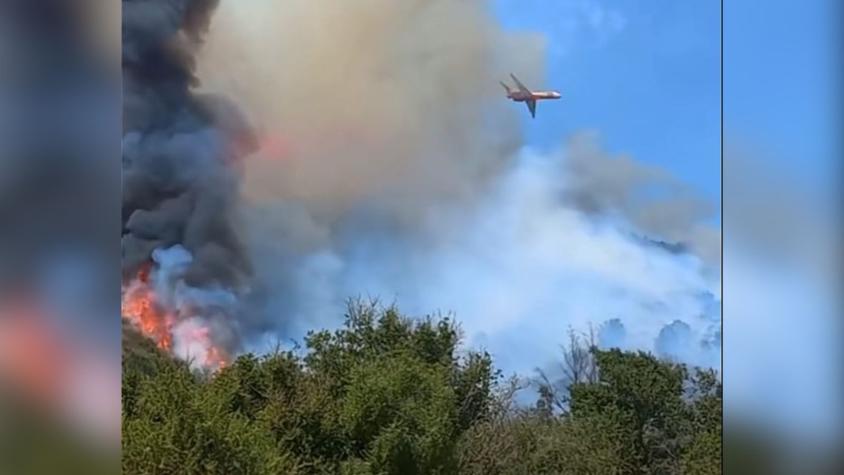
(182, 151)
(182, 163)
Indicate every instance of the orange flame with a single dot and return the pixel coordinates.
(142, 308)
(139, 305)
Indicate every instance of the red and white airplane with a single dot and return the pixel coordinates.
(523, 94)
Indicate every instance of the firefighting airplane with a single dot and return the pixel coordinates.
(527, 96)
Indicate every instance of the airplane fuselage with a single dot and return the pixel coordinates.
(520, 96)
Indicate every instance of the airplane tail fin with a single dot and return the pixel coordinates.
(506, 87)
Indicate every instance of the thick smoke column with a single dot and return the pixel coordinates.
(390, 166)
(395, 104)
(182, 161)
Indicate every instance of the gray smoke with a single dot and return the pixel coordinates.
(612, 334)
(391, 113)
(181, 151)
(393, 104)
(182, 154)
(666, 211)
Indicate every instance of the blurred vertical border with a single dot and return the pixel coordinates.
(59, 236)
(782, 350)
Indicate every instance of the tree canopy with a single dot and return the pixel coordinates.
(385, 394)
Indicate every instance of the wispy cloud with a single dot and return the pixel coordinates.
(569, 24)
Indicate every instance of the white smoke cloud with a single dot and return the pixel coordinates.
(391, 167)
(518, 269)
(204, 319)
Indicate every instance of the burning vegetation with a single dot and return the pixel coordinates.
(174, 330)
(141, 308)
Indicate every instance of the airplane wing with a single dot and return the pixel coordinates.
(519, 83)
(531, 105)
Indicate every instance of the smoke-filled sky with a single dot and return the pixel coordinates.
(391, 166)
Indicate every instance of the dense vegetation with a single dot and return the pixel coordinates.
(387, 395)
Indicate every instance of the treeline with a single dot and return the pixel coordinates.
(387, 395)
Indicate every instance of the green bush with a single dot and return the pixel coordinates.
(388, 395)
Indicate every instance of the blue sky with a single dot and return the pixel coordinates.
(644, 74)
(779, 76)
